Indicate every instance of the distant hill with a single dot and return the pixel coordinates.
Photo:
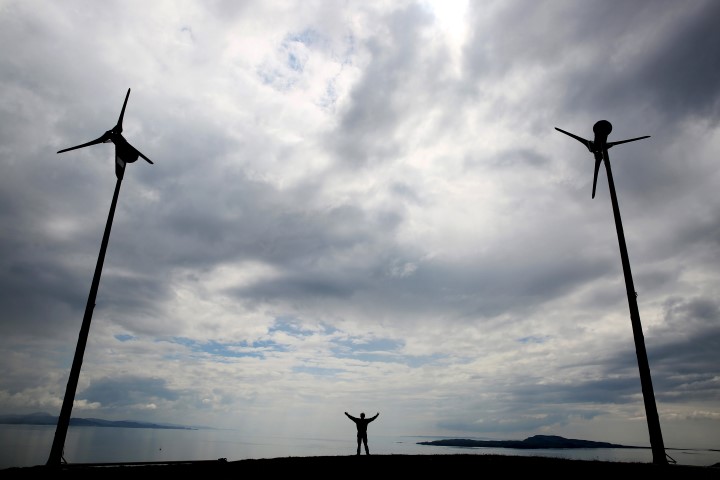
(535, 442)
(42, 418)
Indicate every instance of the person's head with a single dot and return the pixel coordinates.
(362, 415)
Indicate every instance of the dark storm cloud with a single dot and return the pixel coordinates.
(676, 73)
(389, 90)
(202, 227)
(651, 57)
(683, 355)
(38, 292)
(702, 231)
(538, 393)
(680, 354)
(483, 288)
(679, 75)
(682, 370)
(520, 157)
(305, 286)
(315, 252)
(254, 220)
(694, 314)
(43, 261)
(508, 421)
(532, 404)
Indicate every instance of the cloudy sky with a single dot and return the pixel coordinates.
(364, 206)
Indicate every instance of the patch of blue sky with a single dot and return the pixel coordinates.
(291, 326)
(294, 327)
(346, 58)
(307, 37)
(297, 47)
(276, 79)
(533, 339)
(294, 52)
(294, 62)
(331, 95)
(232, 350)
(284, 73)
(124, 337)
(313, 40)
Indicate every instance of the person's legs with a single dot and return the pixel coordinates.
(367, 451)
(359, 439)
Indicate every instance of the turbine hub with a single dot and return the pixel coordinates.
(602, 128)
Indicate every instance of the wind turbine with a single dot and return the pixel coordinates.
(599, 148)
(124, 154)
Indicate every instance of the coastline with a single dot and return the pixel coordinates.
(420, 466)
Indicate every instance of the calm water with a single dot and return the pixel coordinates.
(29, 445)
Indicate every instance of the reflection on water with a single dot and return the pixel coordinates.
(29, 445)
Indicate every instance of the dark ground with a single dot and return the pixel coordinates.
(377, 466)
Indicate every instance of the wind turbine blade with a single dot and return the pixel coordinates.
(598, 160)
(610, 144)
(587, 143)
(94, 142)
(143, 156)
(118, 127)
(130, 153)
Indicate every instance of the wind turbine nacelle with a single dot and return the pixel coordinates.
(602, 129)
(125, 151)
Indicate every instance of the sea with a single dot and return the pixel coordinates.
(29, 445)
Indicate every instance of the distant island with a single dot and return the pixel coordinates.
(42, 418)
(534, 442)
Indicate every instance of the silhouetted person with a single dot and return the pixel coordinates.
(362, 424)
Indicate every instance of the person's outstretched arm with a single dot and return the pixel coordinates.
(373, 418)
(350, 416)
